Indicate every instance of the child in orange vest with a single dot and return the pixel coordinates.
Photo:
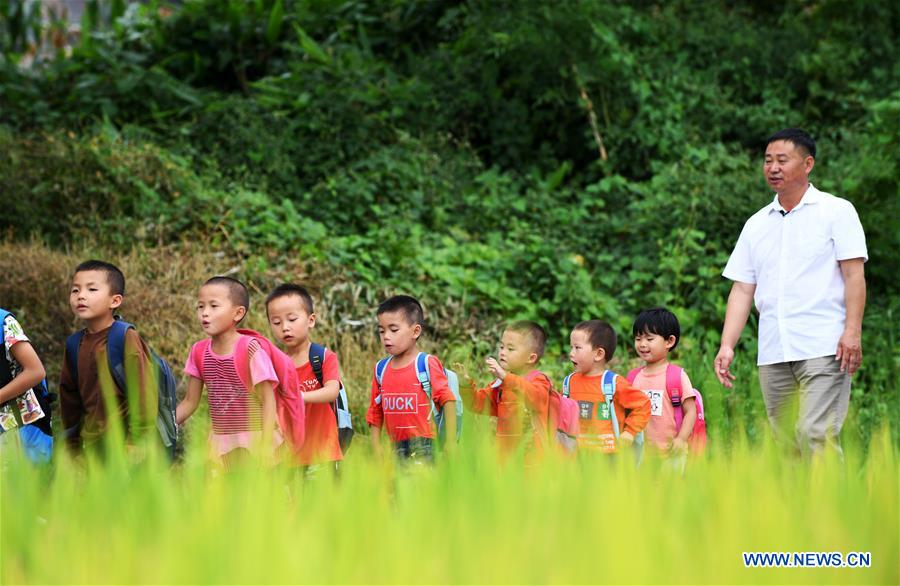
(592, 346)
(519, 396)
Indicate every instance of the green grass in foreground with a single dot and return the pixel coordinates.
(467, 520)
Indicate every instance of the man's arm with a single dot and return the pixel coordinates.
(849, 348)
(740, 300)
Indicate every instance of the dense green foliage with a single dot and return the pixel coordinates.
(553, 160)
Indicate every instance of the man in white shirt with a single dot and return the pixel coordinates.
(800, 259)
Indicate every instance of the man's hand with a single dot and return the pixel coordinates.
(495, 367)
(722, 364)
(849, 351)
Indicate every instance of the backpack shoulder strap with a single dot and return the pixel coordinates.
(115, 351)
(608, 386)
(379, 370)
(632, 374)
(73, 343)
(673, 383)
(316, 360)
(198, 351)
(423, 373)
(566, 385)
(242, 359)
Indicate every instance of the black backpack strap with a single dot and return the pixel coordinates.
(316, 358)
(73, 343)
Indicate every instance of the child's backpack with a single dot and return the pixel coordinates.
(166, 397)
(567, 428)
(608, 387)
(289, 404)
(340, 406)
(697, 442)
(424, 375)
(36, 435)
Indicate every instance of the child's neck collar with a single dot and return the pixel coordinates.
(405, 358)
(99, 324)
(224, 343)
(656, 367)
(300, 353)
(596, 370)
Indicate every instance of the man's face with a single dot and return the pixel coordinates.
(787, 167)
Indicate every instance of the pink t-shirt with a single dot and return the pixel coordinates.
(236, 414)
(661, 430)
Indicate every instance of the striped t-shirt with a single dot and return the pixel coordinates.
(231, 408)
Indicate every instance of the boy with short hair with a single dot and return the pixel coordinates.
(519, 392)
(593, 344)
(398, 401)
(656, 333)
(289, 308)
(97, 291)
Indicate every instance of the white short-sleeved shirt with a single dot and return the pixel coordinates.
(792, 258)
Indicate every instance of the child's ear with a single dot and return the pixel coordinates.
(670, 342)
(116, 301)
(239, 313)
(599, 354)
(532, 358)
(417, 331)
(312, 320)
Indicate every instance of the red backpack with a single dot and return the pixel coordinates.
(697, 442)
(564, 411)
(289, 404)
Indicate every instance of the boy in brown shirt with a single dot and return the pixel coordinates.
(97, 290)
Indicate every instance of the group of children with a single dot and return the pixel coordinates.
(416, 401)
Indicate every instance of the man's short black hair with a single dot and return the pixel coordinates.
(536, 335)
(287, 289)
(659, 321)
(114, 276)
(410, 306)
(237, 291)
(600, 335)
(798, 137)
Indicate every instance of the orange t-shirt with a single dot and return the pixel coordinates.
(661, 429)
(321, 443)
(595, 420)
(505, 402)
(401, 405)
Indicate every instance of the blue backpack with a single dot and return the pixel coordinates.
(340, 406)
(424, 375)
(167, 398)
(608, 386)
(36, 437)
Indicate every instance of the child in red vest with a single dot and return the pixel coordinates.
(656, 332)
(399, 403)
(604, 428)
(519, 396)
(242, 421)
(289, 308)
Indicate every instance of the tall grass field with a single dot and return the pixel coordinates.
(468, 519)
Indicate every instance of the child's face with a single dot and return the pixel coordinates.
(396, 333)
(217, 312)
(582, 355)
(515, 353)
(289, 320)
(653, 347)
(91, 297)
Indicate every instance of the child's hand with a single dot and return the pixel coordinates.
(679, 446)
(626, 438)
(495, 367)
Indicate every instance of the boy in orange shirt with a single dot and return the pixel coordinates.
(289, 308)
(592, 346)
(519, 391)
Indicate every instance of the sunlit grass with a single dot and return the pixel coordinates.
(467, 520)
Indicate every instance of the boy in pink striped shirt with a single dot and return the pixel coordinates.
(242, 421)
